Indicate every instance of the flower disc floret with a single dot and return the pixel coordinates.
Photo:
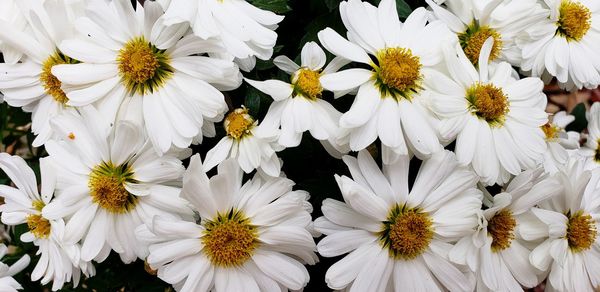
(51, 84)
(581, 231)
(229, 239)
(238, 123)
(407, 232)
(474, 37)
(550, 131)
(107, 187)
(574, 21)
(307, 84)
(488, 102)
(38, 225)
(398, 72)
(143, 67)
(501, 228)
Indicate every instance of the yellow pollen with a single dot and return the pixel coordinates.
(501, 228)
(581, 231)
(488, 102)
(306, 83)
(51, 84)
(230, 239)
(238, 123)
(71, 136)
(473, 39)
(575, 20)
(38, 225)
(143, 67)
(107, 187)
(406, 233)
(550, 131)
(398, 72)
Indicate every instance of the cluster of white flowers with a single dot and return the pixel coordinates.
(118, 93)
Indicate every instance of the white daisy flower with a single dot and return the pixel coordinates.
(245, 30)
(495, 118)
(251, 237)
(475, 21)
(109, 181)
(58, 262)
(572, 251)
(591, 148)
(298, 106)
(7, 282)
(559, 141)
(565, 44)
(401, 56)
(30, 84)
(130, 56)
(245, 143)
(396, 237)
(497, 253)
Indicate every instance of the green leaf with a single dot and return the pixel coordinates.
(332, 4)
(252, 101)
(580, 122)
(277, 6)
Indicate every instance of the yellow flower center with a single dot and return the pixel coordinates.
(230, 239)
(488, 102)
(597, 155)
(550, 131)
(238, 123)
(501, 228)
(306, 83)
(51, 84)
(398, 72)
(143, 67)
(107, 187)
(473, 39)
(38, 225)
(575, 20)
(581, 231)
(406, 233)
(38, 205)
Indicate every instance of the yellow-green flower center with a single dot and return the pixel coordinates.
(574, 21)
(229, 239)
(488, 102)
(407, 232)
(581, 231)
(38, 225)
(238, 123)
(143, 67)
(550, 131)
(107, 187)
(501, 228)
(398, 73)
(51, 84)
(473, 39)
(307, 84)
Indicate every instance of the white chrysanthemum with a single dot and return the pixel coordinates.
(12, 16)
(7, 282)
(559, 141)
(495, 118)
(30, 83)
(247, 144)
(571, 221)
(401, 56)
(298, 106)
(245, 30)
(251, 237)
(475, 21)
(396, 237)
(109, 181)
(58, 262)
(565, 44)
(591, 148)
(498, 253)
(130, 56)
